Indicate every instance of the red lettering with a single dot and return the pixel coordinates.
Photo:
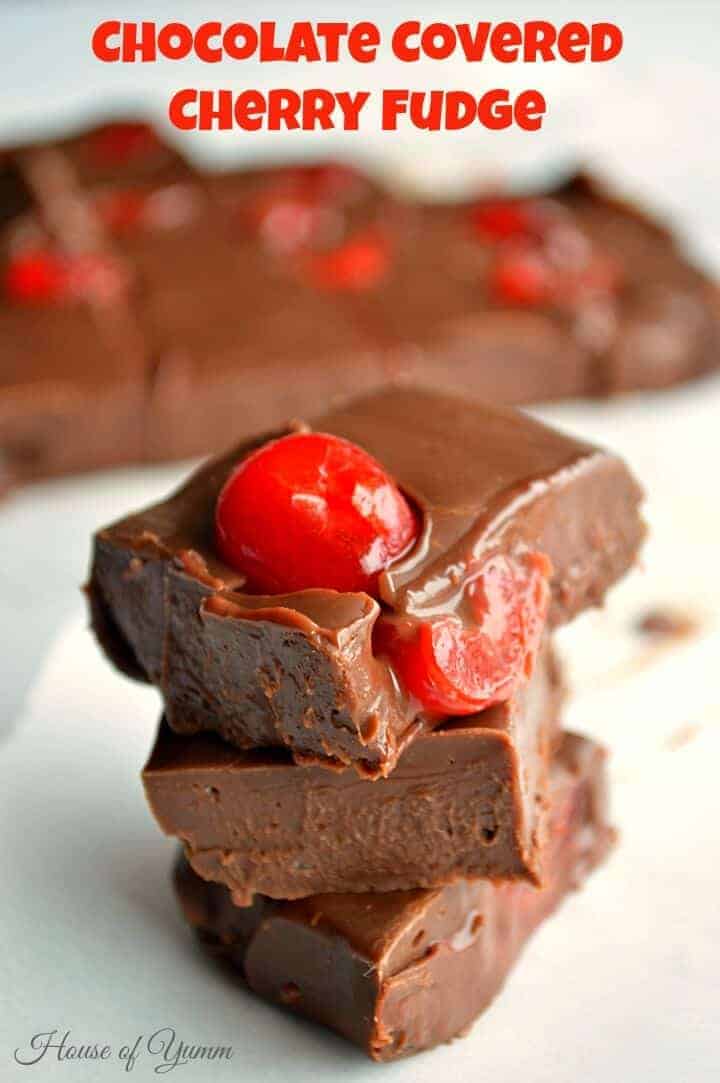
(249, 110)
(317, 110)
(176, 110)
(438, 41)
(394, 103)
(302, 44)
(240, 41)
(283, 108)
(505, 42)
(331, 34)
(495, 111)
(400, 46)
(460, 110)
(473, 46)
(606, 41)
(142, 43)
(204, 50)
(101, 41)
(175, 40)
(539, 40)
(351, 106)
(530, 108)
(363, 42)
(268, 49)
(573, 41)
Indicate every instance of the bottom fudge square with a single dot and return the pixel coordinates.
(468, 799)
(402, 972)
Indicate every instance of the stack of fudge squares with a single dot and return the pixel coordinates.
(350, 621)
(148, 309)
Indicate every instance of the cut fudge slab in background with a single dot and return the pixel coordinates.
(289, 290)
(467, 800)
(72, 372)
(121, 151)
(570, 292)
(239, 334)
(400, 972)
(299, 669)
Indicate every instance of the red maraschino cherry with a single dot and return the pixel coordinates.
(453, 668)
(41, 276)
(522, 275)
(508, 219)
(120, 142)
(312, 510)
(360, 263)
(36, 276)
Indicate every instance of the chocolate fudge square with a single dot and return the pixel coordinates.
(466, 800)
(400, 972)
(299, 669)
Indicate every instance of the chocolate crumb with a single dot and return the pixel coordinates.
(667, 624)
(290, 993)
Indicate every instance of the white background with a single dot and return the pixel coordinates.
(624, 983)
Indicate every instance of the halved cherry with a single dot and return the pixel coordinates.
(288, 220)
(507, 219)
(43, 276)
(118, 143)
(303, 206)
(35, 276)
(361, 263)
(333, 182)
(522, 275)
(312, 510)
(122, 211)
(126, 210)
(457, 668)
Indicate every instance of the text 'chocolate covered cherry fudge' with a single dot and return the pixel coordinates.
(148, 309)
(339, 588)
(400, 972)
(466, 800)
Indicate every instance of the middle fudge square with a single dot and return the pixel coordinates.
(468, 799)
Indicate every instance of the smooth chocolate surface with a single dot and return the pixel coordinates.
(401, 972)
(299, 669)
(72, 371)
(467, 800)
(224, 308)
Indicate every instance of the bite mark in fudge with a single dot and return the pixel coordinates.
(466, 800)
(300, 669)
(400, 972)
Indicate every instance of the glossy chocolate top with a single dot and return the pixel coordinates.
(483, 478)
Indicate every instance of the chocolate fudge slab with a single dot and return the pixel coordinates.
(433, 319)
(124, 150)
(655, 324)
(299, 669)
(75, 373)
(666, 320)
(222, 315)
(400, 972)
(225, 313)
(468, 799)
(72, 379)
